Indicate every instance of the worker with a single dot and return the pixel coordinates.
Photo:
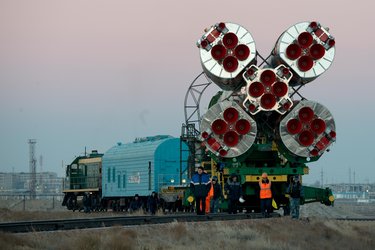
(217, 194)
(265, 195)
(234, 191)
(200, 185)
(136, 204)
(152, 203)
(86, 203)
(296, 195)
(208, 198)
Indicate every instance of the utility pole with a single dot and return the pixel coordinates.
(321, 178)
(354, 189)
(41, 183)
(32, 165)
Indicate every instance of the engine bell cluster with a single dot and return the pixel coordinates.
(253, 92)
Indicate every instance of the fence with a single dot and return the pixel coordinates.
(22, 202)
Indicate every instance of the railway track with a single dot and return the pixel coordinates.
(356, 219)
(69, 224)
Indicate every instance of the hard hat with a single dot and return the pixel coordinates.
(264, 175)
(241, 200)
(214, 178)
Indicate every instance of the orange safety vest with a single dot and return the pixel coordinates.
(265, 190)
(208, 199)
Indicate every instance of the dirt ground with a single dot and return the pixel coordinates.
(341, 209)
(315, 230)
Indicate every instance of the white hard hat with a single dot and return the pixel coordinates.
(241, 200)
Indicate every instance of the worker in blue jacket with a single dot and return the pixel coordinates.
(200, 186)
(233, 189)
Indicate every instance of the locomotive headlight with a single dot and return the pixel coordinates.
(184, 181)
(172, 180)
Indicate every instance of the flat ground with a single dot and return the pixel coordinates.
(315, 230)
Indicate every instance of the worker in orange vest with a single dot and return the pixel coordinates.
(208, 199)
(265, 195)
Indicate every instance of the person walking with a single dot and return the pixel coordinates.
(265, 195)
(152, 203)
(216, 196)
(234, 191)
(296, 195)
(200, 185)
(86, 203)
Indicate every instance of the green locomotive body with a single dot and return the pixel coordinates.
(83, 176)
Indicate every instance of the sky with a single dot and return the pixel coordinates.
(79, 74)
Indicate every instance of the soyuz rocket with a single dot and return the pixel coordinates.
(260, 98)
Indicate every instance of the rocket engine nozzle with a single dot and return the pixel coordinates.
(305, 63)
(243, 126)
(305, 40)
(231, 115)
(256, 89)
(230, 40)
(294, 126)
(293, 51)
(318, 126)
(230, 64)
(219, 126)
(231, 138)
(242, 52)
(280, 89)
(218, 52)
(317, 51)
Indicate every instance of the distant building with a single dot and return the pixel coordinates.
(359, 192)
(47, 183)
